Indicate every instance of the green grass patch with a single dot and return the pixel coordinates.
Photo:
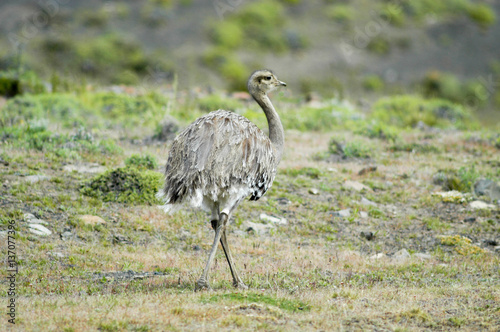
(285, 304)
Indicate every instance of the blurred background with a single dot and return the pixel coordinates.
(358, 50)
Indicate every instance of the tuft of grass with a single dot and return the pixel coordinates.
(145, 161)
(126, 185)
(415, 148)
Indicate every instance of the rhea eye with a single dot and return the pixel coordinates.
(268, 78)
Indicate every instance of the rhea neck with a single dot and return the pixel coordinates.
(276, 132)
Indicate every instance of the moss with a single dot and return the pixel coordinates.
(407, 111)
(126, 185)
(463, 245)
(379, 45)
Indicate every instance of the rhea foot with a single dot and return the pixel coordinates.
(202, 284)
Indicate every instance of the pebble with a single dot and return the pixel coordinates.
(363, 214)
(257, 228)
(367, 235)
(358, 186)
(66, 235)
(274, 220)
(342, 213)
(366, 201)
(36, 178)
(314, 191)
(56, 254)
(422, 255)
(39, 229)
(479, 205)
(378, 256)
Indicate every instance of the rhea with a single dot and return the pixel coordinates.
(222, 158)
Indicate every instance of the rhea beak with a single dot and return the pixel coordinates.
(282, 83)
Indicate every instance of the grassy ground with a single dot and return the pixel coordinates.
(135, 270)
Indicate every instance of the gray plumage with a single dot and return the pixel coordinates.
(222, 158)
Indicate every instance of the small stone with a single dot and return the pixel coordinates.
(28, 217)
(331, 169)
(283, 201)
(491, 242)
(378, 256)
(367, 170)
(56, 254)
(363, 214)
(422, 255)
(497, 249)
(358, 186)
(120, 239)
(367, 235)
(479, 205)
(366, 201)
(91, 220)
(470, 219)
(257, 228)
(314, 191)
(401, 255)
(39, 229)
(66, 235)
(342, 213)
(36, 178)
(274, 220)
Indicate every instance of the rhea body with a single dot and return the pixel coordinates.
(222, 158)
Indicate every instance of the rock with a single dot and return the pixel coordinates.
(342, 213)
(491, 242)
(274, 220)
(36, 178)
(367, 235)
(91, 220)
(356, 186)
(283, 201)
(30, 218)
(480, 205)
(314, 191)
(85, 168)
(363, 214)
(497, 249)
(66, 235)
(257, 228)
(120, 239)
(366, 201)
(378, 256)
(333, 170)
(422, 255)
(401, 255)
(55, 254)
(485, 187)
(39, 229)
(367, 170)
(470, 219)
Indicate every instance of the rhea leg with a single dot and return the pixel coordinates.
(203, 281)
(237, 282)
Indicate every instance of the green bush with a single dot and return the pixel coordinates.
(373, 83)
(406, 111)
(483, 15)
(227, 34)
(126, 185)
(350, 149)
(462, 179)
(340, 13)
(145, 161)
